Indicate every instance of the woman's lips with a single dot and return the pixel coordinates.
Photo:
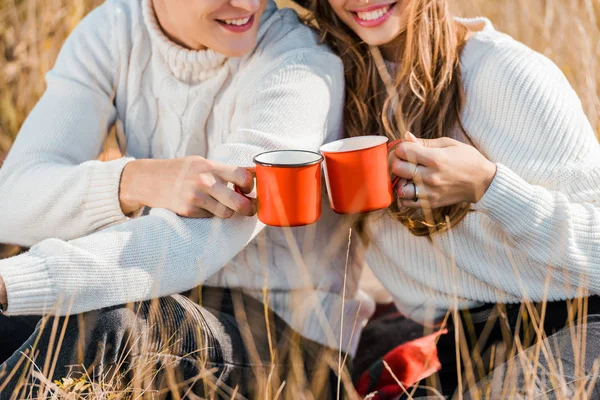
(373, 16)
(239, 25)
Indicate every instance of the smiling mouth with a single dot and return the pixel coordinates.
(238, 22)
(237, 25)
(375, 15)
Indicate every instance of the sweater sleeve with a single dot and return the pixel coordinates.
(546, 193)
(50, 184)
(296, 105)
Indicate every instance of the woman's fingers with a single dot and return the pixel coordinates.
(406, 170)
(406, 190)
(416, 153)
(412, 204)
(406, 195)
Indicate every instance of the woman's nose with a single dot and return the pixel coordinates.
(248, 5)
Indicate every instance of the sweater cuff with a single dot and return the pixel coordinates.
(102, 205)
(509, 198)
(28, 285)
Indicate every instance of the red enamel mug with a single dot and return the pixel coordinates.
(357, 174)
(288, 187)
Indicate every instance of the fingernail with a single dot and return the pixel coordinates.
(400, 191)
(411, 137)
(400, 187)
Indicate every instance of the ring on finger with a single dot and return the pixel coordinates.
(416, 189)
(415, 173)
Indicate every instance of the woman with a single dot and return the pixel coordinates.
(500, 193)
(192, 88)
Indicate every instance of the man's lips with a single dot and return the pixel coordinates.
(237, 25)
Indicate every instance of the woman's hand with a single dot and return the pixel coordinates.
(447, 172)
(190, 187)
(3, 295)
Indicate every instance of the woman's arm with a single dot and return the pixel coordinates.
(297, 103)
(531, 124)
(50, 183)
(554, 216)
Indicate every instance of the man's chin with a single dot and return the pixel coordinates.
(238, 50)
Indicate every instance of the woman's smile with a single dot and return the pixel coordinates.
(372, 16)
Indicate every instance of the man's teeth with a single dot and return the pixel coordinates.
(368, 16)
(237, 21)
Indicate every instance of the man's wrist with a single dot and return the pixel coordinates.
(132, 180)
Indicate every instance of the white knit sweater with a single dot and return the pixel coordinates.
(118, 66)
(535, 234)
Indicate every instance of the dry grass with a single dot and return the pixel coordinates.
(32, 31)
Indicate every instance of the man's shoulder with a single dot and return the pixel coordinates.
(285, 37)
(125, 12)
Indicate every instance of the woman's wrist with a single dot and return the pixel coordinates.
(134, 185)
(3, 294)
(488, 173)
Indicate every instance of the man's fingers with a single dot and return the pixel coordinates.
(231, 199)
(199, 213)
(212, 205)
(239, 176)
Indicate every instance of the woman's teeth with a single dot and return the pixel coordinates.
(371, 15)
(238, 22)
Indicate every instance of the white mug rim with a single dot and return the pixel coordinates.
(370, 142)
(315, 160)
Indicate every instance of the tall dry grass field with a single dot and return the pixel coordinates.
(32, 32)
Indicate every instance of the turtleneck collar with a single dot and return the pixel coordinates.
(190, 66)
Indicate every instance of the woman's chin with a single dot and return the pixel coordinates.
(377, 38)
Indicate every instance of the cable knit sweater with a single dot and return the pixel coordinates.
(167, 101)
(535, 234)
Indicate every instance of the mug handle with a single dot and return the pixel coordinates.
(390, 146)
(237, 189)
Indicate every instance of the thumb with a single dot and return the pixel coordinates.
(432, 143)
(409, 137)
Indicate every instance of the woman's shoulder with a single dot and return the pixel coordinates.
(516, 98)
(491, 57)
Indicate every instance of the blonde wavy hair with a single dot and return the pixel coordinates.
(425, 97)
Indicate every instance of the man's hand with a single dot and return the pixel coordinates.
(190, 187)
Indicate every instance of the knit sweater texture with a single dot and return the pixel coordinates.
(118, 68)
(535, 234)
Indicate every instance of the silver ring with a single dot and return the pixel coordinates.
(416, 196)
(415, 173)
